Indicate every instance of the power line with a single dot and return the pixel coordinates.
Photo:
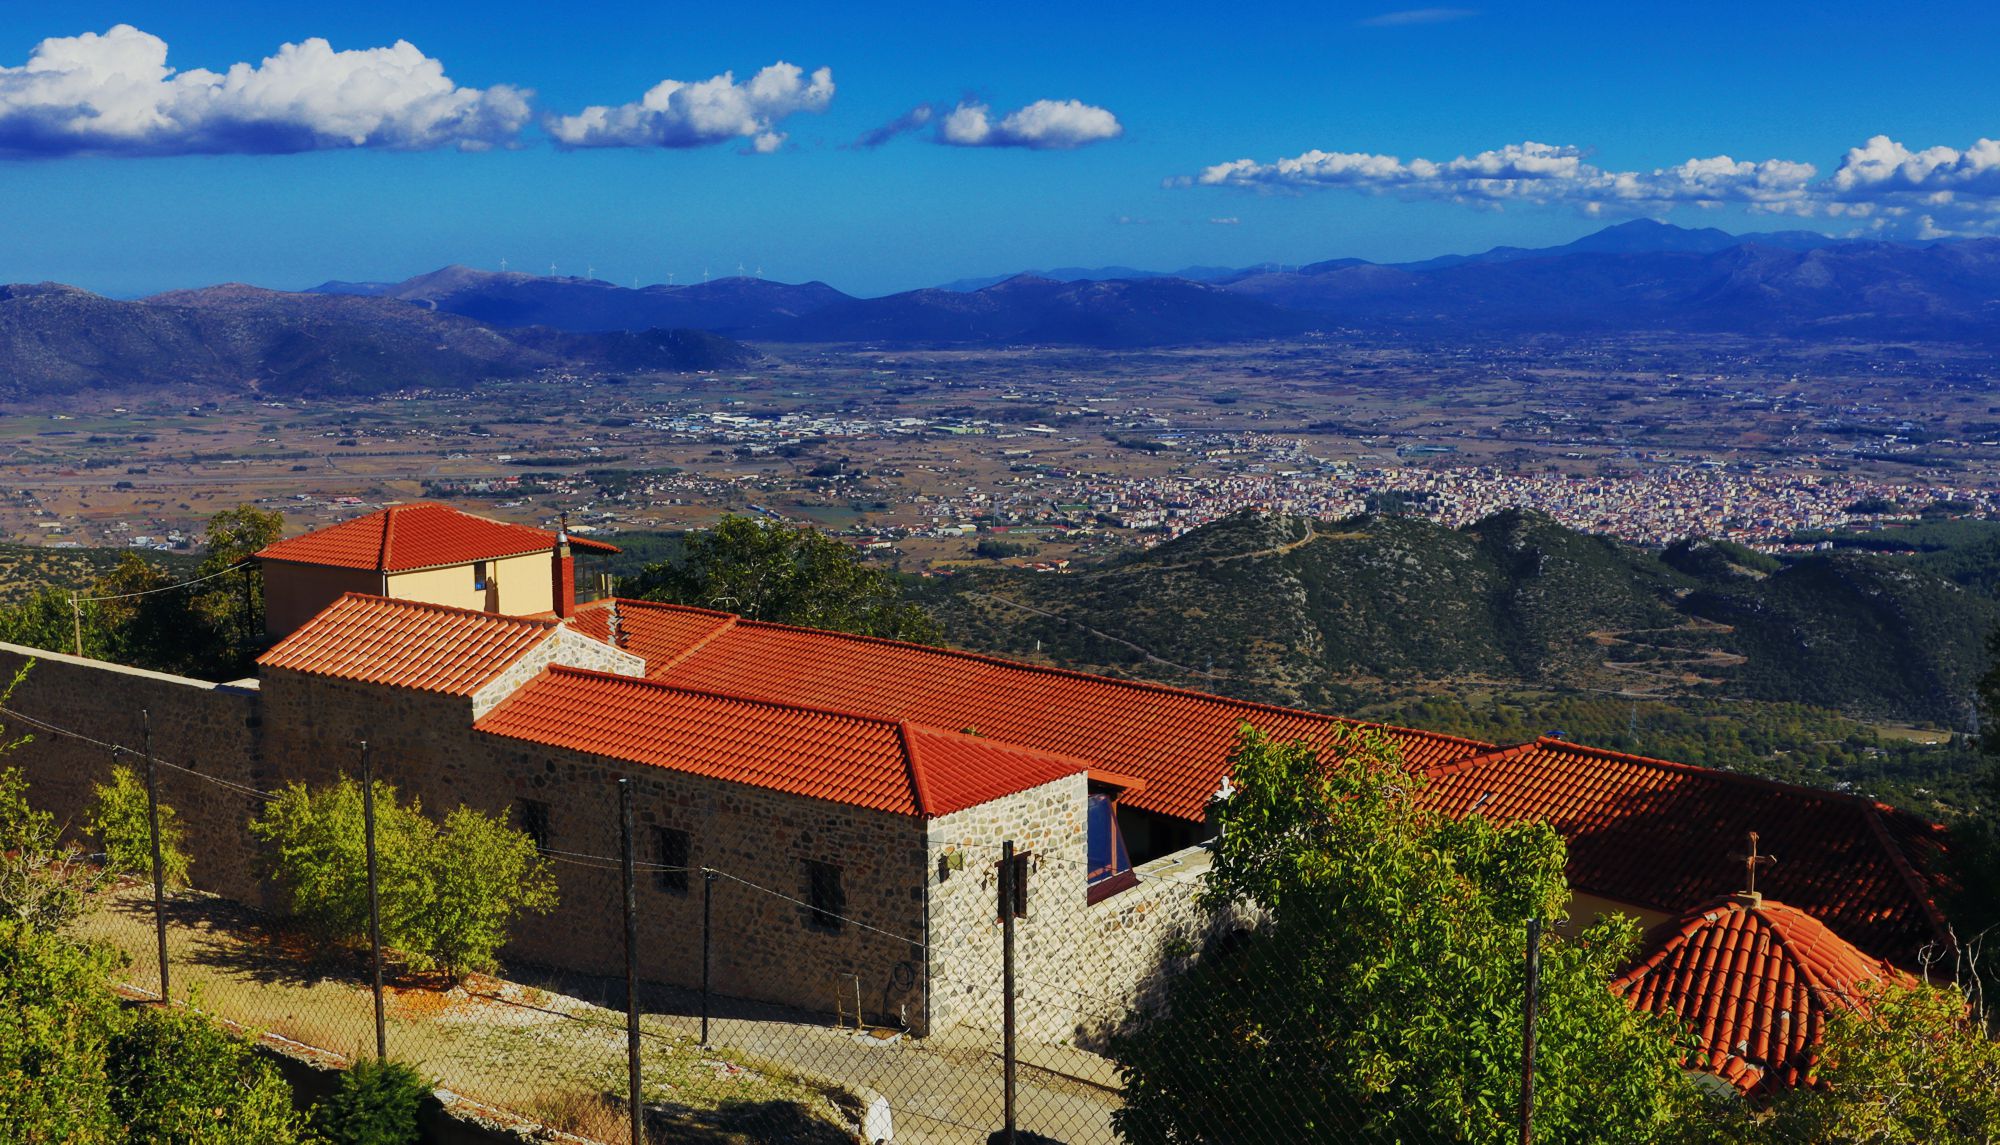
(163, 588)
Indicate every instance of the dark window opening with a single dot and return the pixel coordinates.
(825, 896)
(1014, 893)
(533, 816)
(672, 849)
(479, 576)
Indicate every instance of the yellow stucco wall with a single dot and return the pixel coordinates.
(294, 593)
(517, 586)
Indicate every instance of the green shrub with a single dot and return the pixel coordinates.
(55, 1019)
(447, 894)
(376, 1104)
(118, 819)
(177, 1076)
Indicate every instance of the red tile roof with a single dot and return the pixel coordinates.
(831, 755)
(657, 632)
(1756, 984)
(402, 538)
(407, 643)
(1177, 741)
(1658, 834)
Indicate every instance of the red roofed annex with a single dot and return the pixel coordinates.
(869, 783)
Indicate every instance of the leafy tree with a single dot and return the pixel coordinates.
(485, 874)
(44, 882)
(119, 819)
(56, 1019)
(788, 575)
(1915, 1065)
(376, 1104)
(1380, 998)
(136, 615)
(176, 1076)
(448, 894)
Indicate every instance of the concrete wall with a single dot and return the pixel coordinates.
(295, 593)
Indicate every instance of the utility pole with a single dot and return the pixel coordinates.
(638, 1109)
(1529, 1004)
(374, 900)
(76, 610)
(159, 866)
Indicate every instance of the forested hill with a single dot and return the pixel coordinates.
(1325, 614)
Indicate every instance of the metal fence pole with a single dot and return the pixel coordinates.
(374, 899)
(159, 866)
(1530, 1003)
(707, 900)
(638, 1111)
(1007, 899)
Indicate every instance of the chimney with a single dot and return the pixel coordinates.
(564, 571)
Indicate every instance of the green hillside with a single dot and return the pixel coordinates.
(1333, 614)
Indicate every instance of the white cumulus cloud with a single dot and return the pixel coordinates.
(1044, 125)
(1526, 172)
(1926, 192)
(714, 110)
(113, 93)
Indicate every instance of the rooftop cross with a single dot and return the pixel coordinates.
(1751, 860)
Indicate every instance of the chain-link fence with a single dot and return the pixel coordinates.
(993, 1028)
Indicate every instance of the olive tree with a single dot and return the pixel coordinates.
(1379, 996)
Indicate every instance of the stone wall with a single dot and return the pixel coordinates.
(1047, 824)
(909, 886)
(212, 728)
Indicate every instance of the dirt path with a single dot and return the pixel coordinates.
(1141, 649)
(1676, 671)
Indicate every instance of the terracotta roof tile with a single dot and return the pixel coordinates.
(659, 633)
(831, 755)
(1658, 834)
(1756, 984)
(407, 643)
(417, 536)
(1177, 741)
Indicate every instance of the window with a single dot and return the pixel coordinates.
(479, 576)
(1014, 898)
(671, 848)
(1110, 869)
(825, 896)
(533, 816)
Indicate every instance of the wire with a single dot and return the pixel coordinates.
(117, 749)
(163, 588)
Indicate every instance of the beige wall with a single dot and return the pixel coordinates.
(295, 593)
(517, 586)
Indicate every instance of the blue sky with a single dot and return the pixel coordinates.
(1133, 159)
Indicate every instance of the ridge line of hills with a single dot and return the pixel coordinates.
(458, 326)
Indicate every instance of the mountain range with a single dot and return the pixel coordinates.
(458, 325)
(56, 340)
(1635, 276)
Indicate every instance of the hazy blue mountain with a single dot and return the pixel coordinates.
(589, 304)
(55, 340)
(1027, 309)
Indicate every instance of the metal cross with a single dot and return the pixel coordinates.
(1751, 860)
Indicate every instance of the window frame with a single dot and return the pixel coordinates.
(480, 576)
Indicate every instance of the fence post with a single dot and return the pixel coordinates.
(1007, 898)
(374, 899)
(638, 1111)
(707, 900)
(159, 867)
(1530, 1003)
